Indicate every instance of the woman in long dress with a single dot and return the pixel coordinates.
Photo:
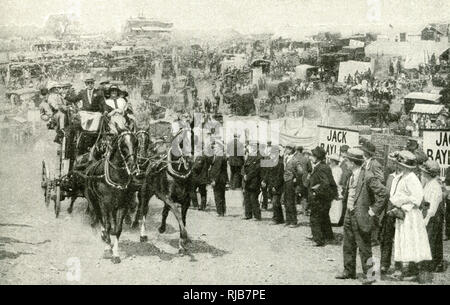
(411, 240)
(116, 108)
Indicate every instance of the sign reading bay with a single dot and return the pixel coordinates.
(436, 145)
(332, 138)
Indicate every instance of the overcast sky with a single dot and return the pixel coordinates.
(243, 15)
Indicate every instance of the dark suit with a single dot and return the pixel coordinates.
(252, 183)
(358, 224)
(275, 184)
(235, 152)
(218, 174)
(387, 229)
(96, 103)
(200, 180)
(292, 171)
(322, 190)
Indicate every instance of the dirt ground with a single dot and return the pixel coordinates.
(36, 248)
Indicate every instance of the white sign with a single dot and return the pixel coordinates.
(436, 145)
(332, 138)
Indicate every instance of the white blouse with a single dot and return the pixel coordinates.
(121, 104)
(432, 193)
(406, 192)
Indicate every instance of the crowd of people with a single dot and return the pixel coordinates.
(401, 208)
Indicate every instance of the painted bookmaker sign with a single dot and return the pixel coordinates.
(332, 138)
(436, 145)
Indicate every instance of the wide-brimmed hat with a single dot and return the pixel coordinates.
(299, 148)
(52, 84)
(368, 148)
(355, 154)
(407, 159)
(114, 87)
(319, 153)
(104, 81)
(431, 167)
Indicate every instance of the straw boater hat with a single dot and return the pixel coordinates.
(431, 167)
(89, 79)
(407, 159)
(335, 157)
(52, 84)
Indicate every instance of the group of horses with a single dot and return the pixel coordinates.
(135, 165)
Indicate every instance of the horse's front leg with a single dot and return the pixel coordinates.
(144, 198)
(116, 232)
(72, 201)
(165, 213)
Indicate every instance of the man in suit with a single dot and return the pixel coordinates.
(275, 182)
(365, 197)
(200, 179)
(235, 152)
(252, 182)
(219, 177)
(301, 192)
(91, 98)
(265, 172)
(322, 190)
(372, 165)
(292, 172)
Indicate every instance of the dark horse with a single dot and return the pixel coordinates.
(168, 177)
(107, 189)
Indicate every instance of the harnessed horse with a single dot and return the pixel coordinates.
(167, 177)
(107, 189)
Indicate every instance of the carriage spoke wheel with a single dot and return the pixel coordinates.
(46, 184)
(57, 200)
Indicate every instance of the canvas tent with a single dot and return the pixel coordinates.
(301, 71)
(351, 66)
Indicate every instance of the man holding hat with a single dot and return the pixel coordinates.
(365, 197)
(274, 182)
(322, 191)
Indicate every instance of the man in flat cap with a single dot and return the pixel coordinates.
(365, 198)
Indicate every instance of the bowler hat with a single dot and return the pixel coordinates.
(368, 148)
(319, 153)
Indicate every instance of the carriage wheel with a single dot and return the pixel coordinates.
(57, 200)
(46, 184)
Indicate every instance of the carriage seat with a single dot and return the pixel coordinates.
(90, 121)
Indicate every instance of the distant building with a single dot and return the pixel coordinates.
(146, 27)
(436, 31)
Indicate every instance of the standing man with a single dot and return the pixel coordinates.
(236, 152)
(292, 168)
(301, 190)
(322, 190)
(365, 197)
(265, 172)
(219, 177)
(91, 99)
(200, 179)
(275, 183)
(252, 182)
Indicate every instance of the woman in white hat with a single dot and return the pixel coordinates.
(411, 240)
(116, 107)
(433, 212)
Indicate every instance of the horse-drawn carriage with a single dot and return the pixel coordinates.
(82, 131)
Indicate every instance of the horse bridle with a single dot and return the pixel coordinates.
(108, 164)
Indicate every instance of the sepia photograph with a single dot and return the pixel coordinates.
(210, 143)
